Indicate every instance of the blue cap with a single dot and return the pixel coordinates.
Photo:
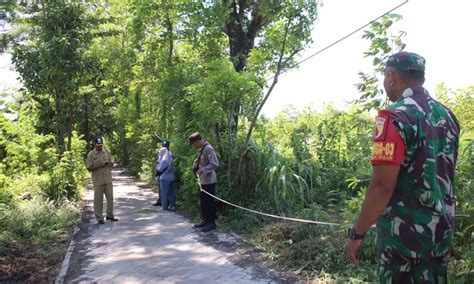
(98, 140)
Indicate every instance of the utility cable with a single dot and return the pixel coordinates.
(339, 40)
(271, 215)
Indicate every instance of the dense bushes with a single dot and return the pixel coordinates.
(35, 183)
(462, 103)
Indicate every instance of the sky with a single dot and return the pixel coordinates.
(439, 30)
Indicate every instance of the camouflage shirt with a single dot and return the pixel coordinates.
(419, 219)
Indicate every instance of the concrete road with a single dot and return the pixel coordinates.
(148, 245)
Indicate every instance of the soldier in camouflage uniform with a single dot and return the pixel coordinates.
(411, 194)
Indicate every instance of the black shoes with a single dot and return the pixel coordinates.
(200, 225)
(209, 227)
(101, 222)
(206, 227)
(157, 204)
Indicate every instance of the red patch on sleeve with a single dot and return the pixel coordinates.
(380, 128)
(388, 146)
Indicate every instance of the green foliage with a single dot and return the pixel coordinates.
(66, 178)
(30, 164)
(313, 166)
(173, 73)
(36, 219)
(331, 148)
(461, 102)
(242, 222)
(23, 159)
(382, 44)
(50, 64)
(276, 177)
(212, 97)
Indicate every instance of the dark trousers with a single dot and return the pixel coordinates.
(208, 205)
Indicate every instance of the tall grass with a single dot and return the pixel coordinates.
(37, 219)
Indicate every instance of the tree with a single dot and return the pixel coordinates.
(261, 37)
(50, 64)
(382, 45)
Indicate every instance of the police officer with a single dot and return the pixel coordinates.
(204, 167)
(411, 194)
(99, 163)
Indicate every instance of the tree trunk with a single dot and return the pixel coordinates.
(87, 134)
(60, 123)
(69, 127)
(241, 40)
(169, 27)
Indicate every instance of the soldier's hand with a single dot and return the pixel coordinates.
(352, 246)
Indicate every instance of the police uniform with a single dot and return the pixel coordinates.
(208, 179)
(414, 233)
(102, 181)
(206, 165)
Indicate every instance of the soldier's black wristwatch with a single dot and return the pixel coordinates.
(352, 234)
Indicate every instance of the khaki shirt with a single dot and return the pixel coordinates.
(208, 164)
(103, 175)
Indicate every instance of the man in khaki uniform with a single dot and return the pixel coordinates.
(99, 163)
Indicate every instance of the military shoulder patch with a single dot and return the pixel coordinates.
(380, 128)
(383, 151)
(388, 145)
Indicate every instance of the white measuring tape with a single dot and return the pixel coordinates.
(271, 215)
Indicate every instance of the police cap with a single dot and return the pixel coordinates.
(196, 136)
(98, 140)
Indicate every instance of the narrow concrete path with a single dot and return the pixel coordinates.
(148, 245)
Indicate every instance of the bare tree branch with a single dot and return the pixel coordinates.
(280, 66)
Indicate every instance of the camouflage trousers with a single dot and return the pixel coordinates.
(397, 268)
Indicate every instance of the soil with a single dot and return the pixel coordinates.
(33, 262)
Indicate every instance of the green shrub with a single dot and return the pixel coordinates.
(37, 219)
(242, 222)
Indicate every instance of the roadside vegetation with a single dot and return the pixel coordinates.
(38, 194)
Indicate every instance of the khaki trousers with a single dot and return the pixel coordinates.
(99, 191)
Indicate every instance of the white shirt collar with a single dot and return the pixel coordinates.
(407, 93)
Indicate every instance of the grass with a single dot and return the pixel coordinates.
(315, 252)
(34, 235)
(37, 219)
